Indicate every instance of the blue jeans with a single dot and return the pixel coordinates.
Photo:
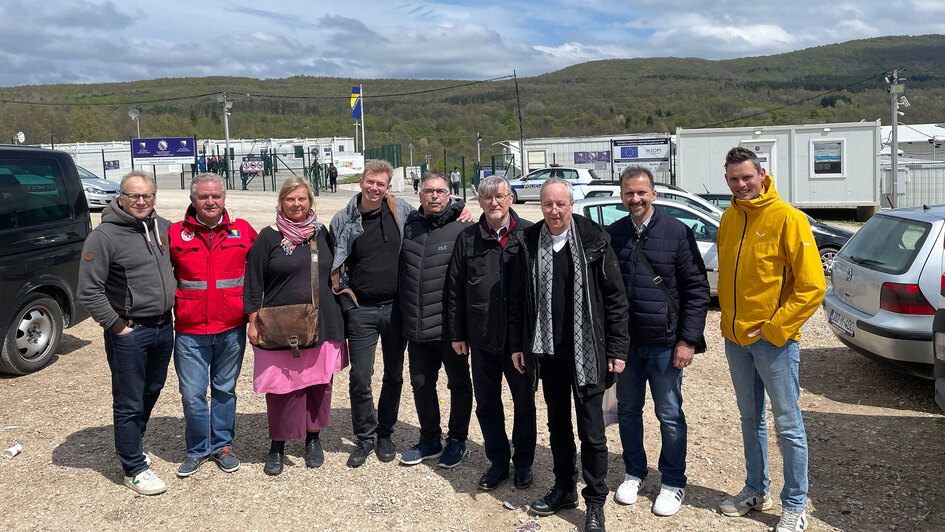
(653, 364)
(365, 325)
(211, 360)
(763, 367)
(138, 362)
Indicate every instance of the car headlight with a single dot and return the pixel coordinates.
(94, 190)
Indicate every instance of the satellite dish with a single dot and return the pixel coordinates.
(133, 113)
(20, 137)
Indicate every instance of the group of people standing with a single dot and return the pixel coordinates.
(563, 302)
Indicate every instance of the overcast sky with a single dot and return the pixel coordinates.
(96, 41)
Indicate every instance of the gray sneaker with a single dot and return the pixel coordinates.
(744, 502)
(190, 466)
(227, 461)
(792, 521)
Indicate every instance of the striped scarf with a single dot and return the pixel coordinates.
(585, 349)
(295, 233)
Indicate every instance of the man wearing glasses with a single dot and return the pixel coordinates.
(429, 237)
(568, 317)
(127, 284)
(480, 275)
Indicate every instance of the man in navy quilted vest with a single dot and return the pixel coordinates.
(668, 292)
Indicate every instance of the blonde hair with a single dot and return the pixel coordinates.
(378, 166)
(291, 184)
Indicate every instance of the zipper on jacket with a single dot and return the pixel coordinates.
(738, 257)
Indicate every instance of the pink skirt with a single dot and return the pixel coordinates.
(280, 372)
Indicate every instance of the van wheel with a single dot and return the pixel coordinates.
(32, 338)
(515, 198)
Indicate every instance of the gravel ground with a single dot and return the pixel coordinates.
(876, 449)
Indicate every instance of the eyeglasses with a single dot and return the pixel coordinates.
(548, 207)
(135, 197)
(498, 197)
(435, 191)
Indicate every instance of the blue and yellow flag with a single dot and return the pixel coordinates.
(356, 103)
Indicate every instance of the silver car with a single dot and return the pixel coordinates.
(883, 281)
(607, 210)
(98, 192)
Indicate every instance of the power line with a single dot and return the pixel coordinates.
(821, 95)
(249, 94)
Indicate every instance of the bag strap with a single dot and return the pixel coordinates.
(313, 245)
(656, 278)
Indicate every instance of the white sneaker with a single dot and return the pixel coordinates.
(146, 483)
(669, 500)
(792, 521)
(628, 490)
(147, 460)
(745, 501)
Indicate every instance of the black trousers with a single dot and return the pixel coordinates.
(487, 370)
(425, 361)
(558, 387)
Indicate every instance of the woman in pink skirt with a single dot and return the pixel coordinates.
(278, 272)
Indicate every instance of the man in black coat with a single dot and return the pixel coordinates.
(480, 276)
(429, 237)
(568, 314)
(666, 284)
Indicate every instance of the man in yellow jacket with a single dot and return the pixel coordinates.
(771, 281)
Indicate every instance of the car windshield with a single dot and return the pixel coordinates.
(85, 174)
(886, 244)
(593, 174)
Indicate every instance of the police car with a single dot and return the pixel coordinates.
(528, 187)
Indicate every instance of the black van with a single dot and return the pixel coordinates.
(44, 220)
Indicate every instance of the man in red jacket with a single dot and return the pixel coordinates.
(208, 250)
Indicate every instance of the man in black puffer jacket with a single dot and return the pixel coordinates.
(667, 321)
(429, 237)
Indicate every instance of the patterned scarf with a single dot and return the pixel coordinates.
(295, 233)
(585, 350)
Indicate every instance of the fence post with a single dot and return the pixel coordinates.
(463, 181)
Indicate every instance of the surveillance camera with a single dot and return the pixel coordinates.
(904, 102)
(887, 79)
(901, 113)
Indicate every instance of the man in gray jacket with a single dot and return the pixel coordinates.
(127, 284)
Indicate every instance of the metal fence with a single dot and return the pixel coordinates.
(392, 153)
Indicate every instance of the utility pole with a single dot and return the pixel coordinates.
(410, 145)
(521, 131)
(895, 89)
(227, 105)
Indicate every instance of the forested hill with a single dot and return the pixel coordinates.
(609, 97)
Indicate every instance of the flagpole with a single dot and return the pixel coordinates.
(363, 145)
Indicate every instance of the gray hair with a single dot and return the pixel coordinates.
(551, 181)
(209, 176)
(490, 185)
(433, 174)
(147, 176)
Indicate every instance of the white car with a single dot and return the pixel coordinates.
(528, 187)
(98, 191)
(595, 190)
(607, 210)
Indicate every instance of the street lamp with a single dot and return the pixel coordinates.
(227, 105)
(134, 114)
(410, 145)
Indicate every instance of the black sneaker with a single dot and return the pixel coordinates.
(190, 466)
(420, 452)
(360, 453)
(385, 449)
(453, 454)
(227, 461)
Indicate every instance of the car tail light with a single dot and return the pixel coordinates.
(940, 345)
(904, 299)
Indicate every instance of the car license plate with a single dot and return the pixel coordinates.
(841, 321)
